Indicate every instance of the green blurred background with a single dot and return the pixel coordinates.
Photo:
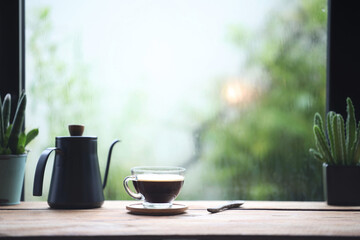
(250, 142)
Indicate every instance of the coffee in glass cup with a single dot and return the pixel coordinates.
(157, 186)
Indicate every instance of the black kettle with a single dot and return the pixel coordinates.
(75, 181)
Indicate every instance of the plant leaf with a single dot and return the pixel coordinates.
(31, 135)
(351, 133)
(7, 134)
(22, 139)
(329, 123)
(317, 155)
(8, 131)
(339, 139)
(4, 151)
(334, 135)
(17, 124)
(20, 149)
(319, 122)
(323, 146)
(357, 147)
(6, 108)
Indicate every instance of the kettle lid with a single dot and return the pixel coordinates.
(76, 132)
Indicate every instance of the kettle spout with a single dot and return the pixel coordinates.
(108, 162)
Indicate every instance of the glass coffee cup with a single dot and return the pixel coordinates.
(157, 186)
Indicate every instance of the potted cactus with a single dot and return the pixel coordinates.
(13, 141)
(338, 148)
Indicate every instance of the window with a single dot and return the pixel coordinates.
(334, 19)
(224, 88)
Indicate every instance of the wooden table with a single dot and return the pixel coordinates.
(254, 220)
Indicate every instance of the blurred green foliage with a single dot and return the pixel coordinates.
(260, 149)
(59, 98)
(59, 86)
(253, 150)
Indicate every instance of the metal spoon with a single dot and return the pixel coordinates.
(226, 206)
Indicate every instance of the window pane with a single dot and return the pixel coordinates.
(227, 89)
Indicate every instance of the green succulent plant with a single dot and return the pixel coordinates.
(337, 143)
(13, 139)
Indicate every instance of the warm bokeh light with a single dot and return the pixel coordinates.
(233, 92)
(236, 91)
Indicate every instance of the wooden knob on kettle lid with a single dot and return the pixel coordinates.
(76, 130)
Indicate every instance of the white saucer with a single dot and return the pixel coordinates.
(138, 208)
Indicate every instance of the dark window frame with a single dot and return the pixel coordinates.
(343, 62)
(12, 48)
(343, 49)
(12, 52)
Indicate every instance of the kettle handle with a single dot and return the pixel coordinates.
(40, 169)
(108, 162)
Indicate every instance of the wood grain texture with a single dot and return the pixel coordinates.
(254, 220)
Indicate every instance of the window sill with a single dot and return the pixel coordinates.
(254, 220)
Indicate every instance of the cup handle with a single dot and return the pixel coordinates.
(136, 196)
